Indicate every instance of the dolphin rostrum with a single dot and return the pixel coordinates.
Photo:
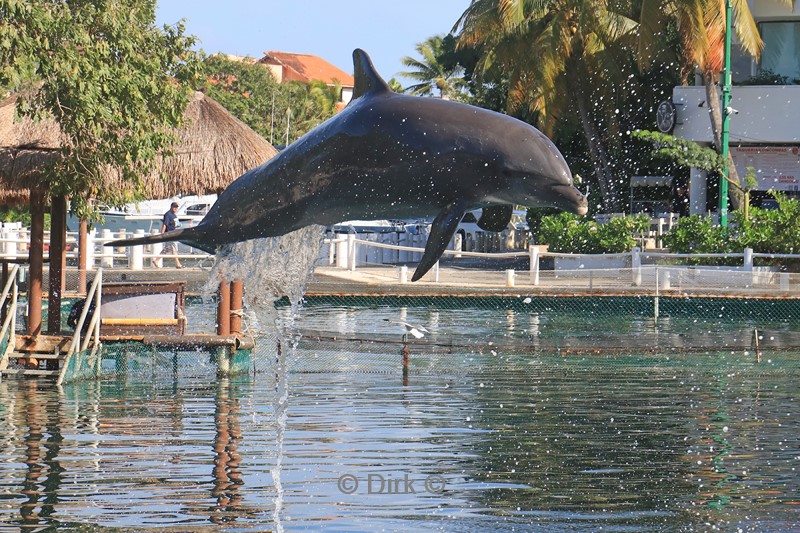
(388, 155)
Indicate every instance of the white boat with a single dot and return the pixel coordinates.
(368, 226)
(147, 215)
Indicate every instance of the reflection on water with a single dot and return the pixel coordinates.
(226, 474)
(542, 446)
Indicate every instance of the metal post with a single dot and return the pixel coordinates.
(510, 277)
(655, 300)
(83, 238)
(533, 252)
(351, 252)
(156, 249)
(726, 118)
(748, 259)
(403, 274)
(136, 253)
(107, 252)
(341, 253)
(91, 241)
(636, 266)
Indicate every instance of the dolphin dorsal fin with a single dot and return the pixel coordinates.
(367, 80)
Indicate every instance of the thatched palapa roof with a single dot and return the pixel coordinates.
(25, 147)
(213, 149)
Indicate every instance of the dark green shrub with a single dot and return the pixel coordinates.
(769, 231)
(697, 234)
(568, 233)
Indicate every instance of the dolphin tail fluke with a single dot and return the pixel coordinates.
(442, 230)
(187, 236)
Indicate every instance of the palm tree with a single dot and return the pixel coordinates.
(431, 72)
(701, 25)
(564, 59)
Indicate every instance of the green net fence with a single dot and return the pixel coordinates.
(604, 317)
(440, 335)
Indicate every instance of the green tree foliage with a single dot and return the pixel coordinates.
(281, 113)
(570, 65)
(12, 214)
(568, 233)
(115, 83)
(433, 71)
(681, 151)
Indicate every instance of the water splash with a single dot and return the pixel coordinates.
(271, 269)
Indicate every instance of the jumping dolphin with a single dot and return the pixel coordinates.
(388, 155)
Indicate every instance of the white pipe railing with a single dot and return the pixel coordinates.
(343, 251)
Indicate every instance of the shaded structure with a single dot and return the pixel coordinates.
(213, 149)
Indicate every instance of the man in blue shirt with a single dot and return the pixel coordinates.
(169, 223)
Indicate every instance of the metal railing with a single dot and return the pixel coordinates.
(347, 253)
(8, 333)
(94, 295)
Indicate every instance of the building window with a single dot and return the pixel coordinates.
(781, 53)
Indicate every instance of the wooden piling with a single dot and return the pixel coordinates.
(37, 263)
(58, 259)
(224, 309)
(236, 305)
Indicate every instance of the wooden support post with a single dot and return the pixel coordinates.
(37, 263)
(224, 309)
(83, 255)
(58, 260)
(237, 294)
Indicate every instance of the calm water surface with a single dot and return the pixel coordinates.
(542, 446)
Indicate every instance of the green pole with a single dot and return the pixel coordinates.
(726, 118)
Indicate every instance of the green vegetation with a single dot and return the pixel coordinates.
(769, 231)
(568, 233)
(433, 71)
(12, 214)
(281, 113)
(569, 68)
(115, 83)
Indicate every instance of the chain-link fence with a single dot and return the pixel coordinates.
(458, 335)
(368, 320)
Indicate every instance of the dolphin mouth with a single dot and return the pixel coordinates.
(571, 199)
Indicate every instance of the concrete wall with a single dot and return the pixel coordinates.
(766, 114)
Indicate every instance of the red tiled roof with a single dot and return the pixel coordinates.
(307, 68)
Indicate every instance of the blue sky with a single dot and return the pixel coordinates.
(386, 30)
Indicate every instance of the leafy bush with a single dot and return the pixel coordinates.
(12, 214)
(568, 233)
(697, 234)
(769, 231)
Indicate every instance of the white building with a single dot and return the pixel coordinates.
(765, 128)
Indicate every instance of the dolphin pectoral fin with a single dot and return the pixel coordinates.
(442, 230)
(496, 217)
